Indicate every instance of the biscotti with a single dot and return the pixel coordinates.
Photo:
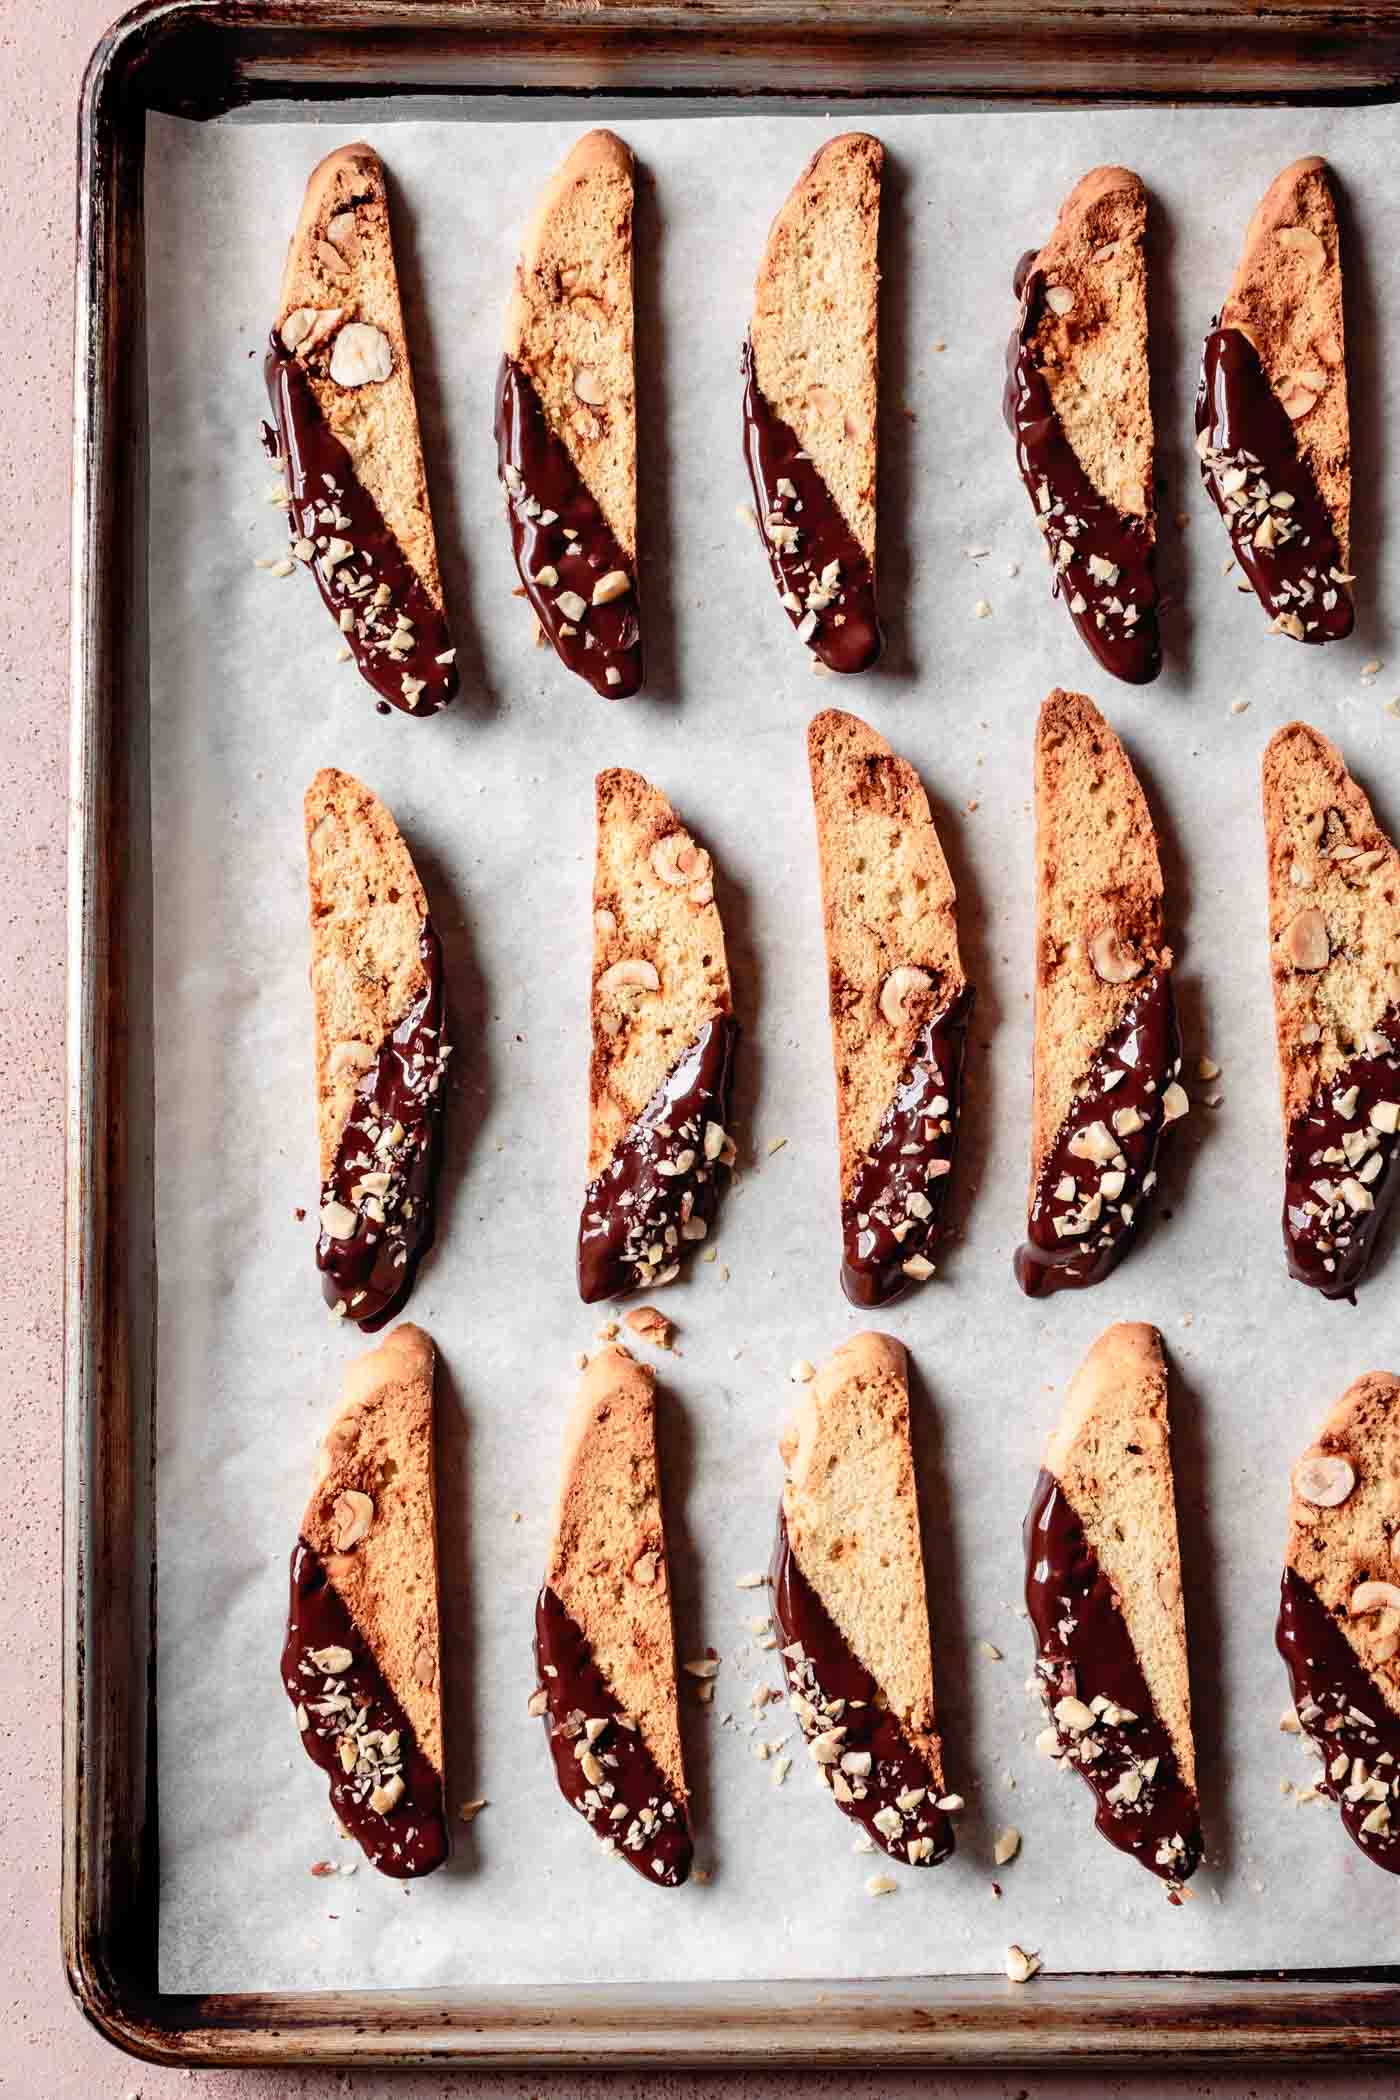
(1078, 403)
(663, 1035)
(379, 997)
(1334, 951)
(1273, 429)
(604, 1646)
(341, 388)
(811, 384)
(1107, 1053)
(1103, 1591)
(850, 1600)
(362, 1663)
(900, 1004)
(1339, 1612)
(566, 418)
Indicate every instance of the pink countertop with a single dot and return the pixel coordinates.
(46, 2050)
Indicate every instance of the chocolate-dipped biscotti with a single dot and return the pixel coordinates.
(811, 382)
(379, 1000)
(1272, 425)
(566, 417)
(663, 1045)
(361, 1663)
(1334, 951)
(604, 1647)
(1103, 1590)
(1107, 1052)
(900, 1004)
(1078, 404)
(850, 1601)
(341, 388)
(1339, 1614)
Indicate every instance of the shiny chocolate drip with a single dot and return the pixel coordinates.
(343, 1702)
(565, 549)
(1338, 1168)
(823, 574)
(874, 1772)
(1096, 1696)
(396, 634)
(608, 1774)
(1103, 1164)
(894, 1211)
(1356, 1730)
(385, 1172)
(1259, 483)
(661, 1187)
(1101, 561)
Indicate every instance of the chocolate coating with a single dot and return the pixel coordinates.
(836, 1699)
(1085, 1653)
(1253, 472)
(1115, 609)
(398, 637)
(832, 607)
(1337, 1161)
(355, 1705)
(556, 525)
(1345, 1715)
(1076, 1239)
(393, 1129)
(636, 1218)
(909, 1165)
(626, 1801)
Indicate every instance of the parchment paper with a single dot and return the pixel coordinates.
(495, 798)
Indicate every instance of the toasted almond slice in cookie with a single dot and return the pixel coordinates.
(851, 1603)
(379, 997)
(566, 417)
(1339, 1614)
(900, 1004)
(1334, 932)
(811, 370)
(1272, 425)
(1103, 1589)
(663, 1045)
(1078, 404)
(604, 1645)
(1107, 1053)
(362, 1659)
(341, 387)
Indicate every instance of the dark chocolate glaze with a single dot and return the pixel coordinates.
(1084, 1652)
(393, 1129)
(839, 1704)
(1331, 1172)
(1115, 611)
(832, 608)
(555, 524)
(1244, 435)
(355, 1704)
(626, 1800)
(396, 634)
(1129, 1077)
(1342, 1709)
(637, 1218)
(909, 1164)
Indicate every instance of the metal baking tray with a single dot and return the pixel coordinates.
(199, 59)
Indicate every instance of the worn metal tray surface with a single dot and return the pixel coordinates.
(200, 58)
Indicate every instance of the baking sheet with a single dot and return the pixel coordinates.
(495, 799)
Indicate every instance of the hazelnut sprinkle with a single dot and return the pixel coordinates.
(1343, 1711)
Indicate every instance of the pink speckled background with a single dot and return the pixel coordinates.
(45, 2048)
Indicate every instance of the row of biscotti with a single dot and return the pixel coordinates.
(1272, 420)
(848, 1601)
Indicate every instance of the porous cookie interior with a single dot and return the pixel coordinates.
(815, 329)
(570, 324)
(1338, 1549)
